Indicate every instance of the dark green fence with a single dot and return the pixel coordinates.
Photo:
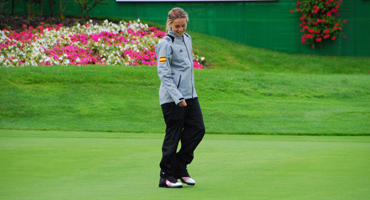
(267, 25)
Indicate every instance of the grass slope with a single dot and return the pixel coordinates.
(125, 99)
(245, 90)
(224, 54)
(80, 165)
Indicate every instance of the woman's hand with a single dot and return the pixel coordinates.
(182, 103)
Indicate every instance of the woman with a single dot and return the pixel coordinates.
(179, 101)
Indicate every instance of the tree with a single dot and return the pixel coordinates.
(62, 8)
(4, 2)
(51, 4)
(87, 5)
(32, 7)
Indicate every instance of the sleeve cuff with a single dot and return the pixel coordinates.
(180, 100)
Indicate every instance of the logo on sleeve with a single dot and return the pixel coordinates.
(162, 59)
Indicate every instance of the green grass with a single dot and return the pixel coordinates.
(244, 90)
(224, 54)
(80, 165)
(125, 99)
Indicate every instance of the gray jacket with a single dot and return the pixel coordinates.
(175, 68)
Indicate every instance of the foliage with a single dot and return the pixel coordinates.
(62, 7)
(3, 5)
(51, 4)
(319, 20)
(87, 5)
(32, 7)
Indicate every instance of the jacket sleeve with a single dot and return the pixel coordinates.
(164, 57)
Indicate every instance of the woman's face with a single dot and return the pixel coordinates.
(178, 26)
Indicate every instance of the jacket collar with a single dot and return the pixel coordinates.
(170, 32)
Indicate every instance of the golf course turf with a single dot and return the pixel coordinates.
(278, 126)
(101, 165)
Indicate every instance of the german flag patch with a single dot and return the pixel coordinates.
(162, 59)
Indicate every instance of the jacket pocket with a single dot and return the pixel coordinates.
(178, 84)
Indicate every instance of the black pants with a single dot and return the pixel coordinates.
(183, 124)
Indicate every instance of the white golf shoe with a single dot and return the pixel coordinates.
(188, 180)
(163, 182)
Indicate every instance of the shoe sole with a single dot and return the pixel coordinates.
(192, 184)
(166, 186)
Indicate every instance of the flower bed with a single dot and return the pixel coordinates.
(125, 43)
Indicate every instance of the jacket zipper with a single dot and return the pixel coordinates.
(192, 68)
(178, 84)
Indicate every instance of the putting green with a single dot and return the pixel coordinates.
(87, 165)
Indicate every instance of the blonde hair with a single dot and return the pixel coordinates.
(175, 13)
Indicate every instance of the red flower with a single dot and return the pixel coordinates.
(291, 10)
(319, 25)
